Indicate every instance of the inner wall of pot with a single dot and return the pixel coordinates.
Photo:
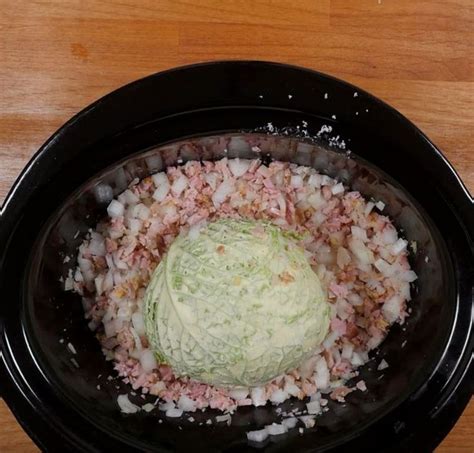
(56, 318)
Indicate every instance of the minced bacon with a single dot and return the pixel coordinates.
(354, 250)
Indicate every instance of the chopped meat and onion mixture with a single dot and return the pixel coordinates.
(353, 248)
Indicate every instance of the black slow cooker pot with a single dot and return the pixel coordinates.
(67, 402)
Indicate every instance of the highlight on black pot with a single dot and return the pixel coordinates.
(243, 270)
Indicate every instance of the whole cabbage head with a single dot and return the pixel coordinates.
(235, 305)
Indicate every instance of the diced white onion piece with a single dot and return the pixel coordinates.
(126, 406)
(148, 407)
(160, 179)
(278, 396)
(391, 309)
(239, 393)
(408, 276)
(356, 360)
(400, 245)
(211, 179)
(290, 422)
(276, 429)
(258, 396)
(380, 205)
(98, 281)
(292, 389)
(148, 361)
(69, 284)
(143, 212)
(138, 323)
(361, 252)
(330, 340)
(115, 209)
(315, 181)
(222, 192)
(174, 413)
(368, 208)
(308, 420)
(186, 404)
(166, 406)
(359, 233)
(134, 225)
(347, 351)
(257, 436)
(130, 197)
(224, 418)
(337, 189)
(179, 185)
(382, 365)
(326, 180)
(296, 181)
(321, 377)
(313, 407)
(385, 268)
(238, 167)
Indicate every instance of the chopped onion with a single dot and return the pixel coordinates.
(186, 404)
(238, 167)
(138, 323)
(315, 181)
(296, 181)
(292, 389)
(211, 179)
(361, 252)
(224, 418)
(308, 420)
(148, 407)
(347, 351)
(290, 422)
(239, 393)
(385, 268)
(399, 246)
(179, 185)
(337, 189)
(126, 406)
(258, 396)
(321, 377)
(222, 192)
(359, 233)
(368, 208)
(115, 209)
(382, 365)
(257, 436)
(174, 413)
(148, 361)
(275, 429)
(313, 407)
(278, 396)
(391, 309)
(166, 406)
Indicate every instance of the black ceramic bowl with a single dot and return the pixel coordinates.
(199, 112)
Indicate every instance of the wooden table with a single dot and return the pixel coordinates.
(57, 57)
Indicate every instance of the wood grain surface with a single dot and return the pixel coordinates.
(56, 57)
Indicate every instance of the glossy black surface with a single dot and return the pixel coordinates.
(119, 138)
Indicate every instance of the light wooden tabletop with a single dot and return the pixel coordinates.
(56, 57)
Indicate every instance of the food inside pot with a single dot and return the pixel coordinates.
(235, 283)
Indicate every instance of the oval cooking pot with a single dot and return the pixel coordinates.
(208, 111)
